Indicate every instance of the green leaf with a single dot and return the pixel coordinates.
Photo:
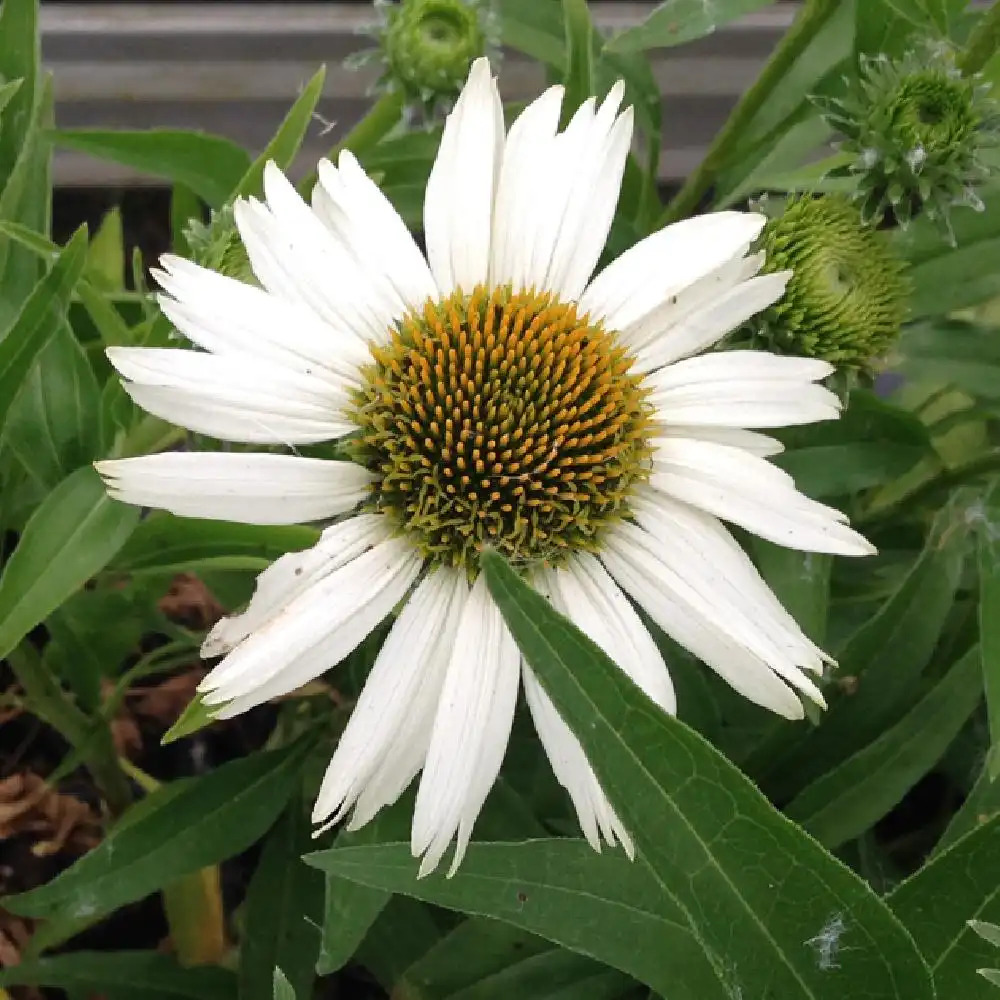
(282, 912)
(675, 22)
(282, 987)
(209, 165)
(166, 544)
(884, 659)
(891, 26)
(38, 320)
(124, 975)
(936, 904)
(351, 909)
(944, 278)
(715, 854)
(285, 145)
(54, 423)
(948, 351)
(988, 545)
(195, 717)
(839, 470)
(20, 55)
(105, 267)
(68, 539)
(579, 77)
(553, 975)
(7, 92)
(176, 831)
(856, 794)
(600, 905)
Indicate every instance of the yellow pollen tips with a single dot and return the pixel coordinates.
(502, 418)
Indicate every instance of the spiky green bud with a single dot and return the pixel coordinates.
(916, 130)
(426, 47)
(217, 245)
(847, 297)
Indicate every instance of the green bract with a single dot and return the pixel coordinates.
(846, 298)
(916, 130)
(217, 245)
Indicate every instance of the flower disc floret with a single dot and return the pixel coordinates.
(506, 419)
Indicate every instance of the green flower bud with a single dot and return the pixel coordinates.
(847, 296)
(426, 47)
(217, 245)
(916, 130)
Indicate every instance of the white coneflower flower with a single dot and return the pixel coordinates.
(495, 395)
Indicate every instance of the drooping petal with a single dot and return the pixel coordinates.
(234, 399)
(584, 593)
(295, 256)
(290, 576)
(385, 742)
(700, 551)
(458, 203)
(631, 557)
(573, 771)
(650, 274)
(228, 486)
(229, 317)
(364, 220)
(742, 389)
(746, 490)
(313, 632)
(471, 729)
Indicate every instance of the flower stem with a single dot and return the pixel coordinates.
(811, 17)
(46, 699)
(983, 42)
(383, 116)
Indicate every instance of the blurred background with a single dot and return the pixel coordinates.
(233, 68)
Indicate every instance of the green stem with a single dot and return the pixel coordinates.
(811, 18)
(383, 116)
(46, 699)
(983, 42)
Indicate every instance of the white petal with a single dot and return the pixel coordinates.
(742, 389)
(520, 192)
(293, 574)
(708, 560)
(313, 632)
(632, 561)
(458, 204)
(706, 326)
(591, 203)
(664, 264)
(295, 256)
(573, 771)
(234, 399)
(757, 444)
(583, 591)
(746, 490)
(229, 317)
(471, 730)
(571, 183)
(750, 366)
(386, 739)
(363, 219)
(227, 486)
